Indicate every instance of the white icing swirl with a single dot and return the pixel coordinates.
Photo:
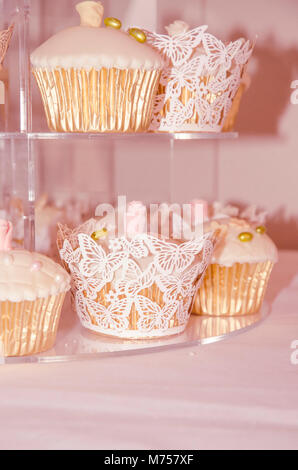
(230, 249)
(89, 46)
(29, 276)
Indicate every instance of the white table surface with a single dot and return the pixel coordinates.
(241, 393)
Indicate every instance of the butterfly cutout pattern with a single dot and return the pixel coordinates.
(185, 305)
(135, 246)
(177, 286)
(145, 281)
(5, 37)
(200, 78)
(95, 261)
(177, 48)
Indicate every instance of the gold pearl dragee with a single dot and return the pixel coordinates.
(245, 236)
(137, 34)
(99, 234)
(112, 22)
(261, 229)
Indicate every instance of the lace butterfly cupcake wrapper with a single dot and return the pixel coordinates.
(140, 288)
(199, 81)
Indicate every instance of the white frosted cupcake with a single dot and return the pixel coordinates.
(236, 280)
(97, 79)
(32, 291)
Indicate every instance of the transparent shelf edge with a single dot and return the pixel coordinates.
(118, 136)
(75, 343)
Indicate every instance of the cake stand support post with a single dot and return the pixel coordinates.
(5, 176)
(113, 186)
(22, 188)
(172, 171)
(24, 69)
(216, 177)
(29, 213)
(26, 144)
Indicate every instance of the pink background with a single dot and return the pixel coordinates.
(261, 167)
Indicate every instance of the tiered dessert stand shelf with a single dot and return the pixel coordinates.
(76, 343)
(17, 151)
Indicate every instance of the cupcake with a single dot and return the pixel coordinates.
(97, 79)
(132, 284)
(236, 280)
(32, 291)
(200, 79)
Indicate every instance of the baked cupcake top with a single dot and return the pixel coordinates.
(243, 242)
(25, 275)
(243, 235)
(92, 46)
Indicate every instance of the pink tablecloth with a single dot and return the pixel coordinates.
(239, 393)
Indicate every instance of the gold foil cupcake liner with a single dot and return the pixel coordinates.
(29, 327)
(226, 122)
(104, 100)
(153, 293)
(235, 290)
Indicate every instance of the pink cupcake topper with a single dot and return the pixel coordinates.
(5, 235)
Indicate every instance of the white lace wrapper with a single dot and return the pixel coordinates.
(5, 37)
(141, 287)
(199, 80)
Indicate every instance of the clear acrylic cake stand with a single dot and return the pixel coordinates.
(18, 166)
(76, 343)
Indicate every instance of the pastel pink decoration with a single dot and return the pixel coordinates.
(5, 235)
(196, 207)
(136, 218)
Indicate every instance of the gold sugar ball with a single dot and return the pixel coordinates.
(99, 234)
(137, 34)
(113, 22)
(245, 236)
(261, 229)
